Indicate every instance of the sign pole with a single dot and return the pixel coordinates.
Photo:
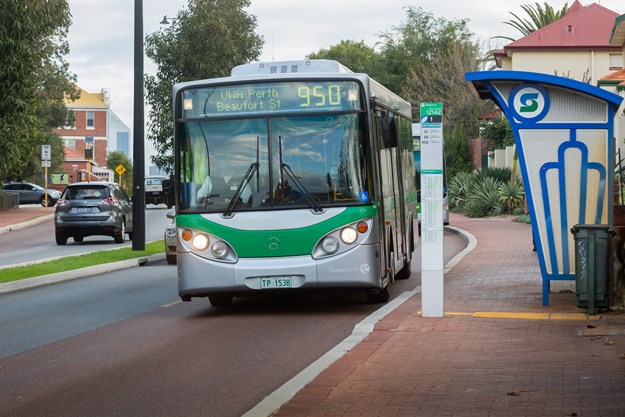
(432, 277)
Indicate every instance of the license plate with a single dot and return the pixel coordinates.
(83, 210)
(276, 282)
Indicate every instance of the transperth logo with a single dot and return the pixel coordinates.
(529, 102)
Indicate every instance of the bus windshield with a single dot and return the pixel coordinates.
(278, 162)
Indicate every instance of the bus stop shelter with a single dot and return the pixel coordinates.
(564, 136)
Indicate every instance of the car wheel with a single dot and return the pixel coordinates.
(61, 239)
(220, 300)
(171, 259)
(78, 239)
(42, 201)
(121, 236)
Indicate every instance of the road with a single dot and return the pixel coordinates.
(121, 344)
(37, 242)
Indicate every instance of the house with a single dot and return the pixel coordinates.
(615, 82)
(587, 44)
(87, 138)
(576, 46)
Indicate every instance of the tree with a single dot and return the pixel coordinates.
(356, 56)
(427, 58)
(34, 79)
(411, 47)
(113, 160)
(539, 16)
(205, 41)
(498, 133)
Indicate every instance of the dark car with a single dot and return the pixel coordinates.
(30, 193)
(93, 208)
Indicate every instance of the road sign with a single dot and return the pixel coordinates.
(120, 169)
(45, 163)
(46, 153)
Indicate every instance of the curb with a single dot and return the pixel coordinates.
(40, 281)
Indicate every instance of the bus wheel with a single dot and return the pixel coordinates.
(378, 296)
(220, 300)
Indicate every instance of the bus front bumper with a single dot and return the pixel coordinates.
(358, 268)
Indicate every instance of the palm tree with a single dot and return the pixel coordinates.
(539, 16)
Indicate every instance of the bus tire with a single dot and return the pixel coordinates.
(220, 300)
(378, 296)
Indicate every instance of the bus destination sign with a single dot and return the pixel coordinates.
(271, 98)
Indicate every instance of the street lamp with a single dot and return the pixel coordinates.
(138, 200)
(166, 20)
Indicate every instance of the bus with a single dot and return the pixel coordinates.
(289, 176)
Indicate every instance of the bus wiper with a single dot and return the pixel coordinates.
(289, 172)
(246, 179)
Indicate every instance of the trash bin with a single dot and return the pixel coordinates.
(593, 265)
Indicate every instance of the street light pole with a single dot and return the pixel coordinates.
(138, 204)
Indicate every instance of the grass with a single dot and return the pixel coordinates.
(79, 261)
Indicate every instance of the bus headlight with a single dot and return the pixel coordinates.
(219, 249)
(206, 245)
(200, 242)
(349, 235)
(342, 239)
(330, 244)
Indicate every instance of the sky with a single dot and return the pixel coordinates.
(101, 37)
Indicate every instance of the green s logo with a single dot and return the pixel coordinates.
(529, 102)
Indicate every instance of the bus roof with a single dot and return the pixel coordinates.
(290, 67)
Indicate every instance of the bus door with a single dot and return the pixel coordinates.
(391, 203)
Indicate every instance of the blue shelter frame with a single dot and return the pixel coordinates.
(564, 136)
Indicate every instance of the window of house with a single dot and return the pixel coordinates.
(616, 61)
(70, 143)
(90, 120)
(70, 121)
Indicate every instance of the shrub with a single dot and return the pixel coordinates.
(483, 199)
(511, 195)
(458, 190)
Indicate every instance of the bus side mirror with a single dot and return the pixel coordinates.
(389, 132)
(168, 189)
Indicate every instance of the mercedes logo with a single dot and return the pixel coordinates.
(273, 243)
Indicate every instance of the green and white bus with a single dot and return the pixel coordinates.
(292, 176)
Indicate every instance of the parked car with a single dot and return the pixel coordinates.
(170, 240)
(154, 192)
(93, 208)
(30, 193)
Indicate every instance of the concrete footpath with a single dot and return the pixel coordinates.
(496, 352)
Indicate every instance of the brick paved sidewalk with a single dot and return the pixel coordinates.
(473, 361)
(23, 214)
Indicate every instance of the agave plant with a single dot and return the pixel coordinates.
(458, 190)
(483, 199)
(511, 195)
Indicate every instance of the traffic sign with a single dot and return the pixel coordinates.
(120, 169)
(45, 153)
